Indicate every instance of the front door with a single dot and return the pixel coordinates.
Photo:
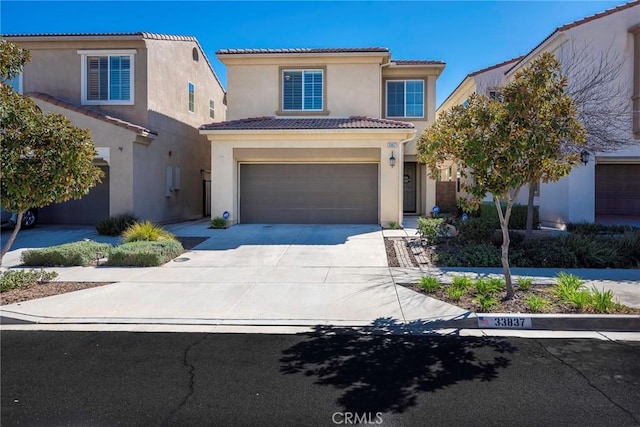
(409, 186)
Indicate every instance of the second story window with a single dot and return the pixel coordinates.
(212, 109)
(107, 77)
(302, 90)
(405, 98)
(15, 83)
(192, 97)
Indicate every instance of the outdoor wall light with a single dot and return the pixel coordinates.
(584, 156)
(392, 160)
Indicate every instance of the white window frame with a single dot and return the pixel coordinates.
(212, 111)
(83, 76)
(386, 107)
(191, 107)
(303, 70)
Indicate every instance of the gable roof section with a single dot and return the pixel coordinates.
(285, 123)
(140, 130)
(573, 24)
(142, 34)
(416, 62)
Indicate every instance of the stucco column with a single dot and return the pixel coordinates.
(223, 182)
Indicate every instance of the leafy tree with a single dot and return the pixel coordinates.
(503, 146)
(44, 158)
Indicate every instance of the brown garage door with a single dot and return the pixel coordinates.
(309, 193)
(86, 211)
(618, 189)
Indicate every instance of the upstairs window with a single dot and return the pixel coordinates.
(405, 98)
(302, 90)
(212, 109)
(15, 83)
(107, 78)
(192, 97)
(495, 94)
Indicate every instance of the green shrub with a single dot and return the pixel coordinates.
(145, 253)
(486, 302)
(146, 231)
(489, 286)
(454, 293)
(567, 285)
(462, 282)
(628, 247)
(536, 304)
(473, 255)
(11, 279)
(432, 229)
(517, 221)
(589, 228)
(524, 283)
(475, 230)
(115, 225)
(515, 238)
(545, 252)
(593, 251)
(581, 299)
(218, 222)
(603, 301)
(430, 284)
(70, 254)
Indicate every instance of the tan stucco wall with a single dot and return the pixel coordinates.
(352, 85)
(119, 142)
(228, 150)
(55, 69)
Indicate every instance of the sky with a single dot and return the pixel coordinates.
(467, 35)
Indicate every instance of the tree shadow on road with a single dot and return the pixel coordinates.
(382, 372)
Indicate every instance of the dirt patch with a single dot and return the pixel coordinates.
(392, 258)
(41, 290)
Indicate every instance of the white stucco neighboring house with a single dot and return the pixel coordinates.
(600, 55)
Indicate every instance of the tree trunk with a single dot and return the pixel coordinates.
(529, 230)
(14, 233)
(504, 225)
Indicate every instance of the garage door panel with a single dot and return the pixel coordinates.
(618, 189)
(309, 193)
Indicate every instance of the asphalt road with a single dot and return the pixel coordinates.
(329, 378)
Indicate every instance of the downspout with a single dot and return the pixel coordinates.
(380, 85)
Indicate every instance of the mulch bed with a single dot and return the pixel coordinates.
(392, 258)
(41, 290)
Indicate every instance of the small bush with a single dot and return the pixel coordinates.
(145, 253)
(70, 254)
(517, 221)
(593, 251)
(536, 304)
(462, 282)
(218, 222)
(486, 302)
(581, 299)
(12, 279)
(603, 301)
(454, 293)
(473, 255)
(430, 284)
(489, 286)
(146, 231)
(628, 247)
(515, 238)
(567, 285)
(524, 283)
(432, 229)
(476, 230)
(115, 225)
(547, 252)
(588, 228)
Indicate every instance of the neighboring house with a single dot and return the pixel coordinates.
(607, 188)
(322, 136)
(143, 97)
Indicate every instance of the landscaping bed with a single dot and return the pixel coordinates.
(41, 290)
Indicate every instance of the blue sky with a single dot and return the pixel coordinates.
(466, 35)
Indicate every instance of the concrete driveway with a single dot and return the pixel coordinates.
(247, 275)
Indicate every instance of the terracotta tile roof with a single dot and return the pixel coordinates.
(579, 22)
(286, 123)
(493, 67)
(417, 62)
(302, 50)
(94, 114)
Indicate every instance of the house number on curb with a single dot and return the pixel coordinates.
(504, 322)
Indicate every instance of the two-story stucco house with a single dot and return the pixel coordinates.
(322, 136)
(143, 96)
(600, 55)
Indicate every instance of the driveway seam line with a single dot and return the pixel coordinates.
(253, 285)
(395, 288)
